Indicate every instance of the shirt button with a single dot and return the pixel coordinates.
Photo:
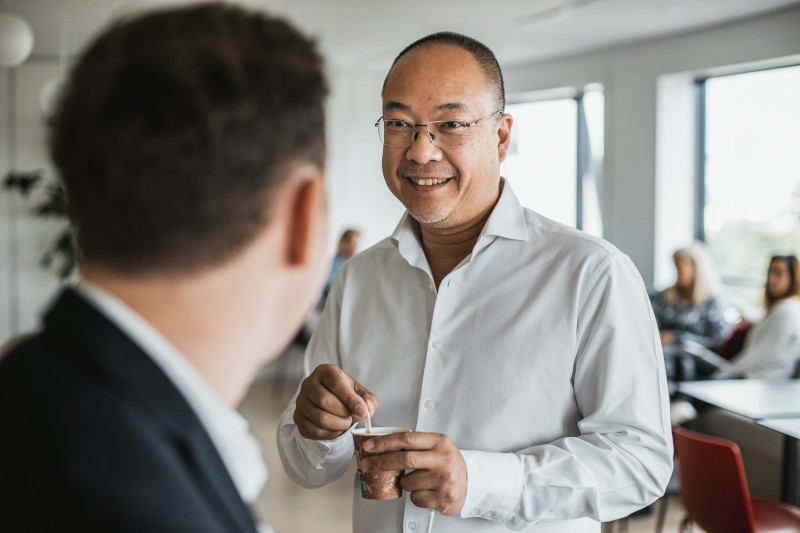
(436, 344)
(412, 526)
(488, 514)
(429, 404)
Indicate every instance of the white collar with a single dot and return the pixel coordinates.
(228, 430)
(507, 220)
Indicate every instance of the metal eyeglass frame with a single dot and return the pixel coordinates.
(428, 131)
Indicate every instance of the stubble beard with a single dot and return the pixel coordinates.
(439, 222)
(425, 217)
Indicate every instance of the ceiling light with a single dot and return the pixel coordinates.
(16, 40)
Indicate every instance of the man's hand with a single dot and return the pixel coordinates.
(330, 402)
(439, 477)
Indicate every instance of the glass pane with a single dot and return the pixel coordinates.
(752, 183)
(541, 161)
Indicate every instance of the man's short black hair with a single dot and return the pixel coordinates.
(176, 127)
(482, 54)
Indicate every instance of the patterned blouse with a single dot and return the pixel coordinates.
(704, 323)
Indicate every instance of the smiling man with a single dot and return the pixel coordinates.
(523, 353)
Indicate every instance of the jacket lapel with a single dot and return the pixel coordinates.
(91, 339)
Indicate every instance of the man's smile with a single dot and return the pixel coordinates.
(428, 181)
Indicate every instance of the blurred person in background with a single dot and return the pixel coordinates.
(690, 309)
(772, 345)
(348, 244)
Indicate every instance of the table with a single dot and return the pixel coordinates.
(751, 398)
(773, 402)
(790, 428)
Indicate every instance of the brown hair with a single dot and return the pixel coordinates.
(347, 236)
(793, 268)
(175, 129)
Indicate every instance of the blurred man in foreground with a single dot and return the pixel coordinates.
(191, 146)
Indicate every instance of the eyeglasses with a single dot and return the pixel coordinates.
(442, 133)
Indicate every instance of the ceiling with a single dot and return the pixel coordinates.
(367, 34)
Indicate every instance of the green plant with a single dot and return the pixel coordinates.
(62, 254)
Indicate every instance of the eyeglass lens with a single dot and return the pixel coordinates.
(444, 134)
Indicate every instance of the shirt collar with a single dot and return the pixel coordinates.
(508, 216)
(507, 220)
(228, 430)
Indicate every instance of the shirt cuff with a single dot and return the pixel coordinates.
(494, 485)
(319, 452)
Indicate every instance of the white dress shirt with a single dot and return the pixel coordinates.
(771, 347)
(228, 430)
(538, 356)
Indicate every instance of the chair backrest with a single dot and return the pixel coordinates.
(713, 486)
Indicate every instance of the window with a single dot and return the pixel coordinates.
(555, 159)
(750, 183)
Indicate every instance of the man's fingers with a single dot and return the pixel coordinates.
(343, 387)
(398, 461)
(438, 477)
(310, 430)
(371, 400)
(324, 399)
(324, 419)
(406, 440)
(424, 498)
(435, 490)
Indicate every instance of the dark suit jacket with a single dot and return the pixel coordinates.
(94, 437)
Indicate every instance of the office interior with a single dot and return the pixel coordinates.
(647, 202)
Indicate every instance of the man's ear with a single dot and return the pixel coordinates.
(504, 135)
(306, 216)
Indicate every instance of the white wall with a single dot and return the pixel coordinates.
(675, 172)
(25, 288)
(631, 76)
(7, 206)
(357, 193)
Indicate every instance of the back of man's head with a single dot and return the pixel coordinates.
(177, 127)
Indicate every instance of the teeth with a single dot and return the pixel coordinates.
(428, 181)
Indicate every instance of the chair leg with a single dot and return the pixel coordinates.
(662, 513)
(608, 527)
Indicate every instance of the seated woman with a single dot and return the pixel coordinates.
(690, 309)
(772, 347)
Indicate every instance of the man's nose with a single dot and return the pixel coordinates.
(422, 149)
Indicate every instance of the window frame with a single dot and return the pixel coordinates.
(582, 139)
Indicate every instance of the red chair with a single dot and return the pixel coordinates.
(714, 489)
